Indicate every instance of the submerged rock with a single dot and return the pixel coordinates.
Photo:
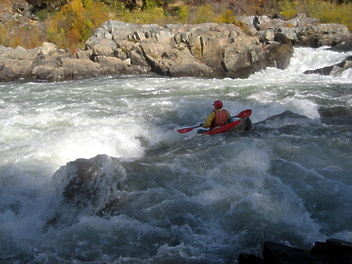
(336, 69)
(343, 47)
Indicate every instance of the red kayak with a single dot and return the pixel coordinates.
(241, 124)
(244, 123)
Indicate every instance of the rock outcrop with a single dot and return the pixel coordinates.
(301, 30)
(203, 50)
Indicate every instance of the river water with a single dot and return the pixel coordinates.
(188, 198)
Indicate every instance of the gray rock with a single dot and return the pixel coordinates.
(301, 30)
(105, 47)
(19, 63)
(323, 35)
(343, 47)
(203, 50)
(279, 56)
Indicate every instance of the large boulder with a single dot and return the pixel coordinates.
(59, 68)
(279, 55)
(19, 62)
(323, 35)
(91, 185)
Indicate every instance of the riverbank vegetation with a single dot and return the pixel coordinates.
(69, 23)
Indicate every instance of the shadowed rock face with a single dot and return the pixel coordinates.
(332, 251)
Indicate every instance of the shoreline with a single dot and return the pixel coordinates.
(207, 50)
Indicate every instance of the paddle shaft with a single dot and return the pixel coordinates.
(187, 129)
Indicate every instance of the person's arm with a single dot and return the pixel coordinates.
(209, 120)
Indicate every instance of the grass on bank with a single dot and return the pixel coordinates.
(76, 21)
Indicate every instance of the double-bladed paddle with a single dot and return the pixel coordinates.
(243, 114)
(187, 129)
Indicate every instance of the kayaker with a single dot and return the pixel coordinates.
(218, 117)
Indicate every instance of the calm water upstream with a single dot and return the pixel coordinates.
(189, 198)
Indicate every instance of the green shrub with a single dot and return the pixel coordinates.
(226, 17)
(327, 12)
(288, 9)
(340, 14)
(204, 14)
(152, 15)
(183, 14)
(75, 21)
(11, 35)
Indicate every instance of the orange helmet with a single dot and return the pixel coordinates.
(218, 104)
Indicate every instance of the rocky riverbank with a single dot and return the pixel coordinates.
(202, 50)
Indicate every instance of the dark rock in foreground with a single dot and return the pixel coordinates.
(91, 185)
(332, 251)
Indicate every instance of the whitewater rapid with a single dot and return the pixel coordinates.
(187, 198)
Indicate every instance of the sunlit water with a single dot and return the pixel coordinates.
(188, 198)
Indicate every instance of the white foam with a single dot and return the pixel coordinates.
(309, 59)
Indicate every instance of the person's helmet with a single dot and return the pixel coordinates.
(218, 104)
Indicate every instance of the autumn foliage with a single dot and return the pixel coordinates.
(75, 22)
(69, 23)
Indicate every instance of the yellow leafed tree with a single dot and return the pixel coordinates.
(76, 21)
